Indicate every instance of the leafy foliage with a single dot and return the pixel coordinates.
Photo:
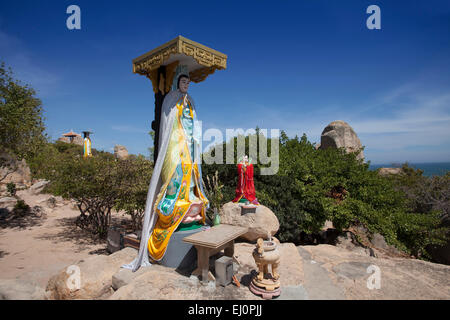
(21, 117)
(424, 194)
(11, 188)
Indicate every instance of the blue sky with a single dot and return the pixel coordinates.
(292, 65)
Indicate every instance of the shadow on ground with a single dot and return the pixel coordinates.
(34, 217)
(247, 278)
(83, 239)
(69, 232)
(3, 253)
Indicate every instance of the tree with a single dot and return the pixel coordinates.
(21, 117)
(135, 173)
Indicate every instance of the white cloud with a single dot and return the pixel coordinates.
(408, 121)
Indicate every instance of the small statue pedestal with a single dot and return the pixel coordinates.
(266, 284)
(247, 208)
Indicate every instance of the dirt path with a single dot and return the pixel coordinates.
(35, 249)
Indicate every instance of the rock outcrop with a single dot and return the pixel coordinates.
(120, 152)
(339, 134)
(13, 170)
(306, 272)
(96, 277)
(389, 171)
(8, 202)
(260, 223)
(158, 282)
(13, 289)
(336, 273)
(355, 239)
(37, 187)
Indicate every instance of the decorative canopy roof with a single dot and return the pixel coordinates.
(71, 134)
(200, 60)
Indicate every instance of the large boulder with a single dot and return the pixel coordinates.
(154, 283)
(120, 152)
(48, 201)
(38, 186)
(260, 223)
(13, 289)
(13, 170)
(339, 134)
(161, 283)
(333, 272)
(390, 171)
(8, 202)
(96, 276)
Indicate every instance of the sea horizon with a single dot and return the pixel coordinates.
(429, 168)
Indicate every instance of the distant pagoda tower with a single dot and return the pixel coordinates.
(87, 144)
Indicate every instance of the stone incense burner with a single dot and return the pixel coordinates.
(265, 283)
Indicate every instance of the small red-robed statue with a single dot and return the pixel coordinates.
(245, 190)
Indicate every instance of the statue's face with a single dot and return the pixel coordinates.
(184, 85)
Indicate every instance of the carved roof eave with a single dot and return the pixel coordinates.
(207, 60)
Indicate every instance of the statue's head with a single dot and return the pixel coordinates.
(183, 83)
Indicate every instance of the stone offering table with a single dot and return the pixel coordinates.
(212, 241)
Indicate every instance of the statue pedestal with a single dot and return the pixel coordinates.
(179, 254)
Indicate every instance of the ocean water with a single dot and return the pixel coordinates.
(429, 169)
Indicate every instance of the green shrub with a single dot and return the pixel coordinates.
(21, 208)
(92, 183)
(11, 188)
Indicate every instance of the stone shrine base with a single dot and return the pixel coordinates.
(179, 254)
(265, 294)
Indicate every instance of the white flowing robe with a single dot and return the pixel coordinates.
(168, 115)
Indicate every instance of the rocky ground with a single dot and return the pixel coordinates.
(336, 273)
(35, 247)
(35, 254)
(306, 272)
